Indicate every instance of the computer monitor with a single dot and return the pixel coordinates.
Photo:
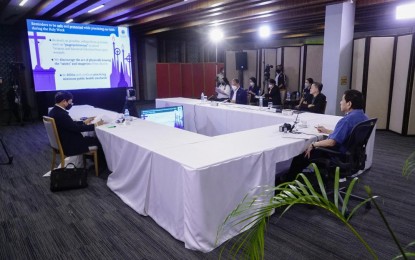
(170, 116)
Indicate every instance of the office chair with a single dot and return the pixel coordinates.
(350, 162)
(324, 109)
(56, 145)
(283, 93)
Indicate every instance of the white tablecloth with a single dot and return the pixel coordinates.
(129, 151)
(188, 182)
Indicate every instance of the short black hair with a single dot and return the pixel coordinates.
(273, 82)
(253, 79)
(63, 95)
(355, 97)
(318, 85)
(310, 80)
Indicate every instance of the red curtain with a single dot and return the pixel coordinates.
(186, 79)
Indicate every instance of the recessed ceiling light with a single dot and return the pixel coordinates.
(264, 31)
(95, 8)
(69, 21)
(22, 3)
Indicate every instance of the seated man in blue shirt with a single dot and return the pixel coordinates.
(352, 105)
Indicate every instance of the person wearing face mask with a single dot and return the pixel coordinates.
(223, 90)
(280, 78)
(253, 91)
(238, 94)
(306, 91)
(273, 94)
(70, 131)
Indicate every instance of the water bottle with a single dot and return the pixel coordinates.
(202, 97)
(261, 102)
(288, 95)
(126, 115)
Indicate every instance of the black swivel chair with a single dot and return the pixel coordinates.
(350, 162)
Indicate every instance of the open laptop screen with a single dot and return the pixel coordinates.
(170, 116)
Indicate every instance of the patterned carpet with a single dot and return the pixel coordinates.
(93, 223)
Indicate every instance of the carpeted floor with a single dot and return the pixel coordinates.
(94, 223)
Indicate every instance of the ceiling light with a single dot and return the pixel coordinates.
(405, 11)
(69, 21)
(22, 3)
(264, 31)
(216, 35)
(95, 8)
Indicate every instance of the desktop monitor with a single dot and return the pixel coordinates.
(170, 116)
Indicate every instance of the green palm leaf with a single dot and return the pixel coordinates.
(252, 213)
(409, 166)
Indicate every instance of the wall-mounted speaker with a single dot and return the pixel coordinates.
(241, 60)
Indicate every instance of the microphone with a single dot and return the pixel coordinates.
(295, 122)
(209, 98)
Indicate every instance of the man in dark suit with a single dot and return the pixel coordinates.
(316, 101)
(238, 93)
(70, 132)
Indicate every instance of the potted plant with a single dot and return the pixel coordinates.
(251, 215)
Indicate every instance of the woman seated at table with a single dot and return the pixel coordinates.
(273, 94)
(223, 90)
(316, 101)
(306, 91)
(253, 91)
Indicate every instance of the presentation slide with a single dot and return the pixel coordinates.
(68, 56)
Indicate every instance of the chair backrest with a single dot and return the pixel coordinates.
(356, 144)
(295, 95)
(283, 92)
(52, 132)
(325, 105)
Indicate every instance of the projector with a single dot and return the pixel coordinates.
(131, 94)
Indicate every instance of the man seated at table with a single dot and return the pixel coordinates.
(352, 105)
(316, 101)
(238, 94)
(70, 131)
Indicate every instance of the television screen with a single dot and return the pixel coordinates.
(68, 56)
(170, 116)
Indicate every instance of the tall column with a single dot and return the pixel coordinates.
(337, 53)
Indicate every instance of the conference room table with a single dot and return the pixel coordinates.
(189, 181)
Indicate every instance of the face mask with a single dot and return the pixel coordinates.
(68, 106)
(270, 86)
(233, 87)
(251, 84)
(306, 85)
(278, 71)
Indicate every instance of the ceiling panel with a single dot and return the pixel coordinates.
(177, 17)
